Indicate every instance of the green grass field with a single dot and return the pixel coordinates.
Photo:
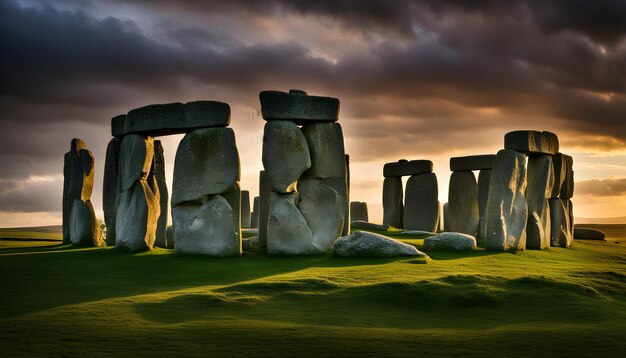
(57, 300)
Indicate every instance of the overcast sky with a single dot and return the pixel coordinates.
(424, 79)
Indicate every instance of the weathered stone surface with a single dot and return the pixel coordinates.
(170, 237)
(137, 215)
(84, 229)
(441, 222)
(136, 155)
(367, 244)
(506, 207)
(421, 207)
(325, 143)
(346, 220)
(250, 244)
(450, 241)
(207, 227)
(78, 177)
(560, 234)
(207, 163)
(463, 213)
(233, 197)
(117, 126)
(158, 171)
(287, 230)
(111, 188)
(340, 185)
(358, 211)
(254, 216)
(297, 106)
(540, 182)
(570, 207)
(561, 164)
(245, 208)
(472, 162)
(446, 223)
(484, 177)
(357, 224)
(393, 208)
(532, 142)
(588, 234)
(567, 189)
(202, 114)
(264, 210)
(324, 211)
(285, 155)
(404, 167)
(153, 119)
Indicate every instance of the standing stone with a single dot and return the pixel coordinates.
(158, 171)
(570, 211)
(421, 207)
(233, 197)
(324, 210)
(506, 207)
(136, 154)
(484, 177)
(446, 222)
(264, 210)
(111, 188)
(84, 228)
(245, 209)
(463, 212)
(78, 185)
(170, 237)
(325, 143)
(137, 215)
(441, 223)
(285, 155)
(560, 166)
(561, 234)
(347, 220)
(540, 182)
(254, 217)
(358, 211)
(287, 230)
(393, 208)
(567, 189)
(72, 188)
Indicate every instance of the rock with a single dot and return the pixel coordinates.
(137, 215)
(233, 197)
(405, 167)
(561, 164)
(299, 107)
(245, 208)
(117, 126)
(421, 207)
(170, 238)
(325, 143)
(136, 155)
(560, 233)
(367, 244)
(250, 232)
(202, 114)
(393, 208)
(250, 244)
(484, 177)
(506, 207)
(254, 216)
(357, 224)
(446, 223)
(463, 213)
(285, 155)
(540, 182)
(111, 188)
(207, 163)
(158, 172)
(450, 241)
(567, 189)
(84, 228)
(340, 185)
(588, 234)
(347, 220)
(264, 210)
(324, 211)
(206, 227)
(441, 223)
(570, 208)
(78, 177)
(153, 120)
(532, 142)
(473, 162)
(358, 211)
(287, 230)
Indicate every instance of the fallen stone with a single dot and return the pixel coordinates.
(325, 143)
(358, 211)
(137, 215)
(367, 244)
(507, 212)
(245, 208)
(84, 228)
(298, 107)
(207, 163)
(405, 167)
(562, 164)
(357, 224)
(532, 142)
(287, 230)
(393, 208)
(136, 155)
(463, 213)
(117, 126)
(324, 211)
(560, 233)
(158, 171)
(588, 234)
(540, 182)
(473, 162)
(285, 155)
(421, 207)
(111, 188)
(450, 241)
(254, 216)
(484, 177)
(250, 244)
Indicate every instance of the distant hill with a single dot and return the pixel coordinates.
(616, 220)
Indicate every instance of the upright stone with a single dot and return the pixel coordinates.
(567, 189)
(347, 218)
(72, 183)
(325, 144)
(560, 228)
(323, 209)
(463, 212)
(158, 171)
(84, 228)
(264, 210)
(506, 206)
(445, 215)
(421, 207)
(484, 177)
(287, 230)
(540, 182)
(285, 155)
(561, 164)
(111, 188)
(245, 209)
(358, 211)
(254, 216)
(393, 208)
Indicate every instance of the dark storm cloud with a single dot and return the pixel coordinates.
(602, 187)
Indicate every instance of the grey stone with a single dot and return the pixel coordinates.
(446, 222)
(285, 155)
(506, 207)
(254, 216)
(347, 220)
(78, 177)
(588, 234)
(357, 224)
(562, 164)
(158, 171)
(202, 114)
(567, 189)
(560, 234)
(404, 167)
(84, 229)
(532, 142)
(358, 211)
(540, 182)
(297, 106)
(207, 163)
(250, 244)
(170, 237)
(206, 227)
(250, 232)
(324, 211)
(367, 244)
(153, 120)
(233, 197)
(393, 208)
(463, 213)
(287, 230)
(341, 187)
(136, 155)
(473, 162)
(421, 207)
(137, 215)
(111, 188)
(264, 210)
(570, 208)
(450, 241)
(325, 143)
(117, 126)
(484, 177)
(245, 208)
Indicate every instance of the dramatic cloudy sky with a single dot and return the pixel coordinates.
(417, 80)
